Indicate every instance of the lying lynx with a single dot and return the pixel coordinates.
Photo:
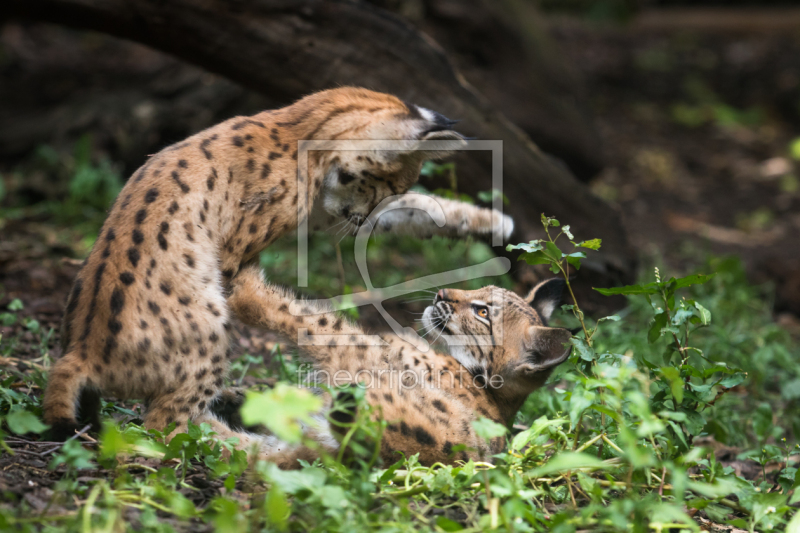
(500, 351)
(148, 316)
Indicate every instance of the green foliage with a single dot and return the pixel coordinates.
(612, 447)
(93, 183)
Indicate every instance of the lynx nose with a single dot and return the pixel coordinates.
(441, 296)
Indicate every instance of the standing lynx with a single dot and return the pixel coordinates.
(148, 316)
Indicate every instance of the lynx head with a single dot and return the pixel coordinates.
(494, 332)
(356, 176)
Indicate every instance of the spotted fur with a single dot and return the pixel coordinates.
(148, 315)
(500, 351)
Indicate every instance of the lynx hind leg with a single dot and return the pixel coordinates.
(70, 400)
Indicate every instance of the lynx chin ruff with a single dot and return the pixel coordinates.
(500, 351)
(148, 315)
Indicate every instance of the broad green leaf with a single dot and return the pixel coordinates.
(333, 497)
(583, 349)
(681, 316)
(15, 305)
(448, 525)
(658, 324)
(593, 244)
(488, 429)
(530, 247)
(676, 383)
(539, 425)
(694, 279)
(564, 461)
(277, 508)
(703, 314)
(281, 409)
(535, 258)
(20, 422)
(794, 524)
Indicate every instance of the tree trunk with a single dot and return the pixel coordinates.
(289, 48)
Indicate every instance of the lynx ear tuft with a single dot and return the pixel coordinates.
(546, 296)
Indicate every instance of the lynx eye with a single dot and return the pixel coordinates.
(481, 311)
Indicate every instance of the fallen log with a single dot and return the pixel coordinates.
(290, 48)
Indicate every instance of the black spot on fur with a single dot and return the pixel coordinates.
(237, 141)
(133, 256)
(110, 234)
(154, 308)
(165, 287)
(141, 214)
(213, 337)
(423, 437)
(151, 195)
(189, 260)
(126, 278)
(117, 301)
(228, 273)
(114, 326)
(184, 300)
(173, 207)
(345, 178)
(274, 155)
(265, 170)
(177, 178)
(183, 164)
(137, 237)
(440, 406)
(162, 241)
(447, 448)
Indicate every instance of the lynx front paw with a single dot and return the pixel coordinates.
(502, 226)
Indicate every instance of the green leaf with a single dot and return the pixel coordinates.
(15, 305)
(593, 244)
(658, 324)
(568, 461)
(794, 524)
(650, 288)
(389, 474)
(448, 525)
(21, 422)
(524, 437)
(673, 376)
(694, 279)
(277, 508)
(583, 349)
(703, 314)
(530, 247)
(535, 258)
(281, 409)
(580, 400)
(488, 429)
(333, 497)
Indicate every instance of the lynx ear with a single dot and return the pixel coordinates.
(546, 296)
(434, 126)
(546, 348)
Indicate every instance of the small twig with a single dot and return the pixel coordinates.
(78, 434)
